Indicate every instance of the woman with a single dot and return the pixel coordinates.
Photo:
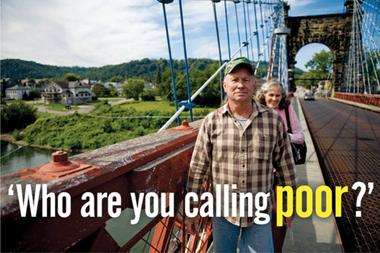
(273, 96)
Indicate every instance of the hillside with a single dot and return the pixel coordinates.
(149, 69)
(145, 68)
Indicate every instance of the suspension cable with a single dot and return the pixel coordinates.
(204, 85)
(186, 60)
(370, 41)
(227, 29)
(219, 50)
(237, 23)
(262, 25)
(245, 26)
(364, 58)
(200, 89)
(257, 31)
(360, 48)
(174, 88)
(249, 27)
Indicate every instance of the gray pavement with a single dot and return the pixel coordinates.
(360, 105)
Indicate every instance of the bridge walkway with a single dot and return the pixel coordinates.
(313, 234)
(347, 141)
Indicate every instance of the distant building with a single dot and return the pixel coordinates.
(67, 93)
(81, 93)
(89, 82)
(116, 85)
(25, 82)
(4, 84)
(149, 85)
(17, 92)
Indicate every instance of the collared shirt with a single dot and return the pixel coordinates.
(297, 135)
(246, 156)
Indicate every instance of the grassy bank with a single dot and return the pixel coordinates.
(104, 126)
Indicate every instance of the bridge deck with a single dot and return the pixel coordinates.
(347, 141)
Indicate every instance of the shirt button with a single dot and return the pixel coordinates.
(243, 150)
(243, 165)
(243, 181)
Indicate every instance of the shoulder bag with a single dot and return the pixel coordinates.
(298, 150)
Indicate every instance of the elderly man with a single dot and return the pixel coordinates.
(242, 144)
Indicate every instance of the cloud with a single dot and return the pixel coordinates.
(100, 32)
(315, 7)
(86, 33)
(298, 3)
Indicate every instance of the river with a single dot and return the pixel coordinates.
(14, 157)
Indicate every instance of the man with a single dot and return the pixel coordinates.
(242, 144)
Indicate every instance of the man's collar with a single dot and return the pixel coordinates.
(257, 108)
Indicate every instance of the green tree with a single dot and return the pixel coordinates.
(71, 77)
(319, 67)
(112, 91)
(133, 88)
(148, 95)
(310, 78)
(17, 116)
(116, 79)
(158, 76)
(99, 90)
(321, 61)
(33, 94)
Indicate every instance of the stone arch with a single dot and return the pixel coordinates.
(332, 30)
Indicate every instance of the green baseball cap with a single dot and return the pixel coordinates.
(238, 62)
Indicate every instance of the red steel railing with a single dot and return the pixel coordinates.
(157, 162)
(369, 99)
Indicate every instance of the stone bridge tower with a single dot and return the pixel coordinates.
(332, 30)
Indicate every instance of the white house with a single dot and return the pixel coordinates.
(116, 85)
(17, 92)
(67, 93)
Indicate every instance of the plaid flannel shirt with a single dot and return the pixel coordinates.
(246, 157)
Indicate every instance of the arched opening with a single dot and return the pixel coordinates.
(314, 68)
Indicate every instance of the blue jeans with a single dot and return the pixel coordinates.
(253, 239)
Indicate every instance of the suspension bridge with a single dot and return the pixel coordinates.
(346, 139)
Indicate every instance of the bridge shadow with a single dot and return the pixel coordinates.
(313, 233)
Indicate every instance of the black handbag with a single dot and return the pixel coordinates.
(298, 150)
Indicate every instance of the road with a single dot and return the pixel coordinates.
(85, 108)
(347, 140)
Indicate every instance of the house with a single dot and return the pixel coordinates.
(89, 82)
(17, 92)
(4, 84)
(118, 86)
(81, 93)
(67, 92)
(149, 85)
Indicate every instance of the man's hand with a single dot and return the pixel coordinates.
(191, 225)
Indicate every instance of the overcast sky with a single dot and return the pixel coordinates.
(100, 32)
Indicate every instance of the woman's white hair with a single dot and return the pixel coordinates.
(265, 87)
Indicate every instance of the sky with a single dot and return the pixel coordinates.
(99, 32)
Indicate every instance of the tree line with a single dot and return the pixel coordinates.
(133, 75)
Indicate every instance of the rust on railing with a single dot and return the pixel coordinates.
(157, 162)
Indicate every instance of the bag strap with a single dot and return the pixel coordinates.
(288, 119)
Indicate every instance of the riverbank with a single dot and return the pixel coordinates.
(9, 138)
(16, 157)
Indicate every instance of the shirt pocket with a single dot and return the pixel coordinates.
(263, 144)
(220, 147)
